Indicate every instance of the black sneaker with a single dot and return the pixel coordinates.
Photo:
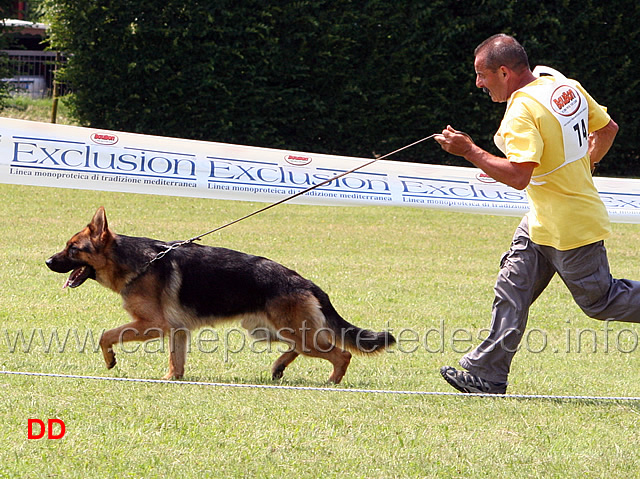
(466, 382)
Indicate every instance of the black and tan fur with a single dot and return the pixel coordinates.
(194, 285)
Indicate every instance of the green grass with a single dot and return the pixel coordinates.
(26, 108)
(421, 271)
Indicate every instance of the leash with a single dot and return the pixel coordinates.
(173, 246)
(178, 244)
(300, 193)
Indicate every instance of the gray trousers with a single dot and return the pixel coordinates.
(525, 271)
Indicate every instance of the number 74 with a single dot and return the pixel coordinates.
(581, 129)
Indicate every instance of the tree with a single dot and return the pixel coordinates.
(6, 10)
(341, 77)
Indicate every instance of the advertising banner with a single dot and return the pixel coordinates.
(44, 154)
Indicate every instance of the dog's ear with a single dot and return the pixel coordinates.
(98, 227)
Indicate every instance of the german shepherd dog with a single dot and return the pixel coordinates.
(194, 285)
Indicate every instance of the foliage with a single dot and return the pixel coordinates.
(6, 8)
(23, 107)
(341, 76)
(4, 86)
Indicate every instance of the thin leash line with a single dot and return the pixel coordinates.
(321, 389)
(173, 246)
(300, 193)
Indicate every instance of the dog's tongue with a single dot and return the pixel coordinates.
(77, 277)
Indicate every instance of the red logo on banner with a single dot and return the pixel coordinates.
(485, 178)
(296, 160)
(104, 138)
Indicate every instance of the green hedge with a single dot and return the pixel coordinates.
(341, 77)
(6, 11)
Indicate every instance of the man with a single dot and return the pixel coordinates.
(552, 135)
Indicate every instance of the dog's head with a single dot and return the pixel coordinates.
(84, 252)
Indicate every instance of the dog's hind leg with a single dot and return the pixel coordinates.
(336, 356)
(282, 362)
(312, 343)
(177, 353)
(301, 323)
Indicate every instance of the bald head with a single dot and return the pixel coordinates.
(503, 50)
(502, 67)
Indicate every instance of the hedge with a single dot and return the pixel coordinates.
(340, 77)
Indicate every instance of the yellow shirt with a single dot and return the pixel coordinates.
(566, 209)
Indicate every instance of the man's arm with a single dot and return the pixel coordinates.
(516, 175)
(600, 141)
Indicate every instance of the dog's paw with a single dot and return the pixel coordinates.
(277, 373)
(172, 376)
(110, 358)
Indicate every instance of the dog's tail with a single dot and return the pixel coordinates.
(351, 337)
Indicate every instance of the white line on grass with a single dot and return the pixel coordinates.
(323, 389)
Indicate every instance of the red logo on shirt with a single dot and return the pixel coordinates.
(565, 100)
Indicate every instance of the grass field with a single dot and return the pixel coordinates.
(25, 108)
(426, 275)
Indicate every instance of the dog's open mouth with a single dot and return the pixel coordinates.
(78, 276)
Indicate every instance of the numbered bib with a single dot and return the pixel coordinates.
(569, 107)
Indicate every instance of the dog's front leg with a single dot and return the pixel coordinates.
(135, 331)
